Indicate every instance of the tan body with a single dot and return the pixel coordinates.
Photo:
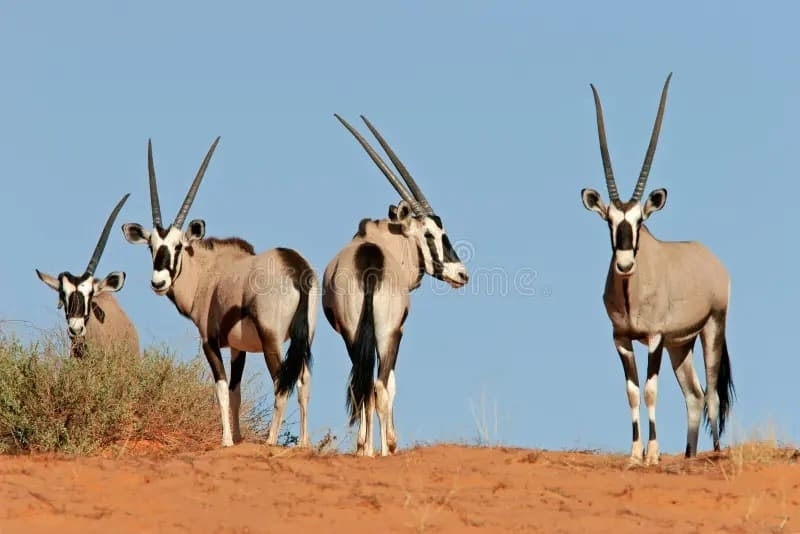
(116, 328)
(674, 290)
(216, 285)
(246, 302)
(342, 291)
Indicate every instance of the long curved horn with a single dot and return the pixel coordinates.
(155, 206)
(412, 184)
(101, 243)
(187, 202)
(651, 150)
(613, 194)
(399, 187)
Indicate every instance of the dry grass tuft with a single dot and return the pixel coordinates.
(105, 403)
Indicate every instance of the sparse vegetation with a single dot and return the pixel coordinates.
(487, 434)
(108, 400)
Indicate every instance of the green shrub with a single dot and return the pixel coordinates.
(50, 402)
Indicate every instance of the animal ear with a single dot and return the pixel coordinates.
(195, 231)
(656, 201)
(111, 283)
(50, 281)
(593, 202)
(135, 234)
(399, 213)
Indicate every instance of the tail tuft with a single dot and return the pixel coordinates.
(725, 390)
(299, 351)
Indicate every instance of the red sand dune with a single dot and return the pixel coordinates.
(443, 488)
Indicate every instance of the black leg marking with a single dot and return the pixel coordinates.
(626, 356)
(214, 357)
(271, 349)
(653, 366)
(237, 368)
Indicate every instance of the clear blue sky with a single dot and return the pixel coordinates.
(489, 105)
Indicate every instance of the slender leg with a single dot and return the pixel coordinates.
(682, 364)
(362, 433)
(625, 350)
(303, 393)
(655, 349)
(385, 389)
(272, 355)
(238, 358)
(365, 431)
(369, 448)
(214, 357)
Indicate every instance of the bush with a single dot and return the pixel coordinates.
(50, 402)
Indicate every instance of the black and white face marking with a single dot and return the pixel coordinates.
(76, 294)
(166, 246)
(440, 258)
(624, 222)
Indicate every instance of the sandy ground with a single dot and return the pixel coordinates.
(442, 488)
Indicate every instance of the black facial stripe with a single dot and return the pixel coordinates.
(438, 267)
(450, 255)
(161, 261)
(76, 305)
(436, 219)
(174, 272)
(624, 239)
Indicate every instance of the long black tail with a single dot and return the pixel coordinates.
(725, 389)
(363, 350)
(299, 351)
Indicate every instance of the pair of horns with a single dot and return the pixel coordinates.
(648, 158)
(101, 243)
(413, 195)
(187, 202)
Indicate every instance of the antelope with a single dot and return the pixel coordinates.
(95, 320)
(236, 299)
(366, 293)
(663, 294)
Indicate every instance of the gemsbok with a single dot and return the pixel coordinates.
(663, 294)
(366, 289)
(95, 320)
(236, 299)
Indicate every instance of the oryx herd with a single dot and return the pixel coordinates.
(662, 294)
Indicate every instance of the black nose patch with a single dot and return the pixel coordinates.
(624, 236)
